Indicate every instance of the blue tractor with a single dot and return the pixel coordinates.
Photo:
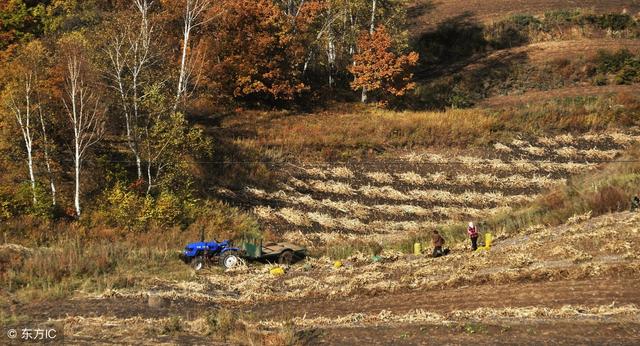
(203, 253)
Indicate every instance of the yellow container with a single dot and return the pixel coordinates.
(488, 238)
(417, 248)
(337, 264)
(277, 271)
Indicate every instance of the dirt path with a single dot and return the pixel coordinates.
(555, 333)
(542, 294)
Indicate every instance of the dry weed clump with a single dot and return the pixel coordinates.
(412, 178)
(567, 152)
(622, 139)
(523, 166)
(519, 143)
(546, 141)
(298, 183)
(331, 186)
(314, 172)
(600, 155)
(521, 260)
(342, 172)
(264, 212)
(382, 192)
(380, 177)
(534, 151)
(501, 148)
(354, 208)
(294, 216)
(575, 219)
(565, 139)
(323, 219)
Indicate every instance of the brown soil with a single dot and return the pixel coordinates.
(540, 294)
(561, 332)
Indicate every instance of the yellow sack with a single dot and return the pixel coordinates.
(337, 264)
(277, 271)
(488, 238)
(417, 248)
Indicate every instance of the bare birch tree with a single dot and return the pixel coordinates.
(193, 18)
(129, 50)
(85, 118)
(47, 159)
(21, 110)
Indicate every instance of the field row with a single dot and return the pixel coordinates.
(439, 179)
(438, 163)
(306, 219)
(431, 197)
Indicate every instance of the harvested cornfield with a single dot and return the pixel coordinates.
(541, 278)
(414, 191)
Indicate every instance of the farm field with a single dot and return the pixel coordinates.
(320, 204)
(542, 96)
(527, 288)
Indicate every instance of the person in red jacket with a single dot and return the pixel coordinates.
(472, 231)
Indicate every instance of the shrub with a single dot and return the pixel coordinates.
(172, 325)
(512, 32)
(125, 207)
(609, 62)
(630, 73)
(221, 323)
(615, 21)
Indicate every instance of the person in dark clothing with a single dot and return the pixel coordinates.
(635, 203)
(438, 242)
(472, 231)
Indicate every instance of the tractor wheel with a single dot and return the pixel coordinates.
(229, 259)
(198, 263)
(286, 257)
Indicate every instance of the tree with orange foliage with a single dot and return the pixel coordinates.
(378, 69)
(254, 52)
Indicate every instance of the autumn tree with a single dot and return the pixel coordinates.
(379, 69)
(22, 97)
(82, 105)
(253, 52)
(129, 51)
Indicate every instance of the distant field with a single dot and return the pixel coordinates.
(571, 49)
(426, 13)
(542, 96)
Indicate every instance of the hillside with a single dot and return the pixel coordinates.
(131, 129)
(427, 13)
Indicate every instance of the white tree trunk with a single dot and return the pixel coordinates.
(363, 97)
(194, 10)
(47, 161)
(131, 51)
(86, 121)
(24, 121)
(76, 193)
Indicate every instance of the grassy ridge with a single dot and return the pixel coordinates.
(339, 134)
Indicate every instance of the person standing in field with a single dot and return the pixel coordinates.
(438, 242)
(472, 231)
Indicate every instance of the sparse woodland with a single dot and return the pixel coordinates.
(97, 96)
